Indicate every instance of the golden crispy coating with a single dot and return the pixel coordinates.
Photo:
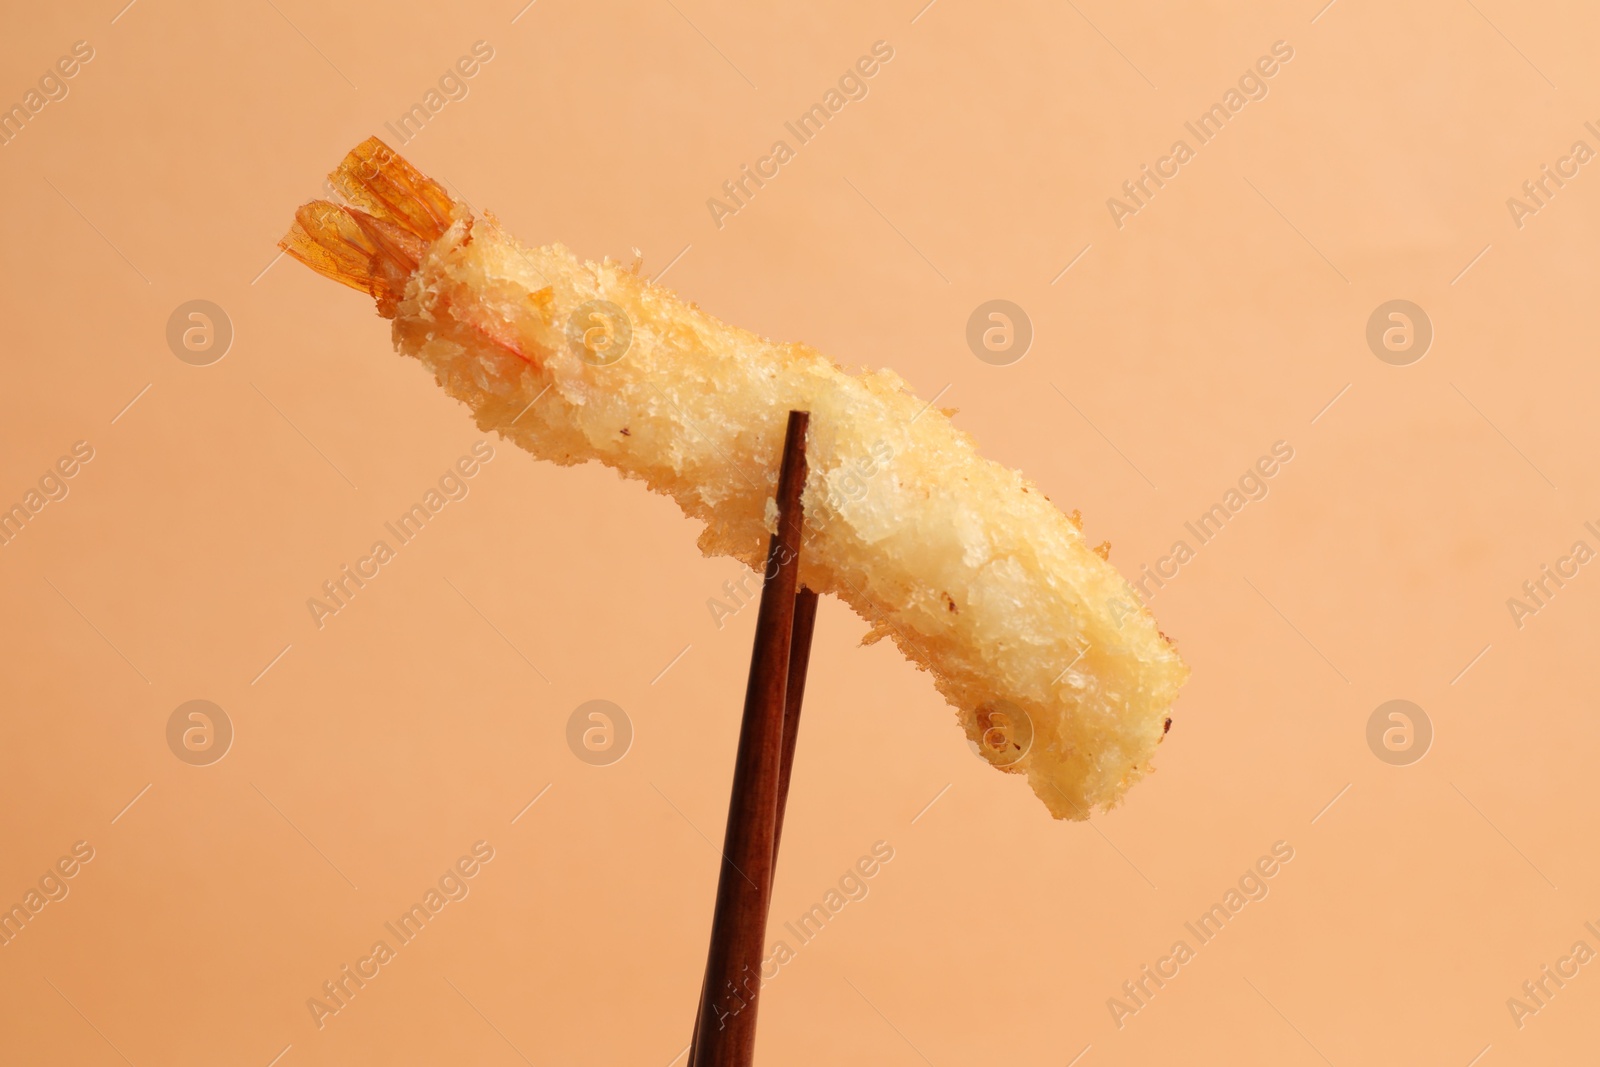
(1053, 668)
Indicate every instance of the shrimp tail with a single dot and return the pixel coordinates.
(375, 240)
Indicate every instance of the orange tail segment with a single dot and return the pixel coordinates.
(376, 241)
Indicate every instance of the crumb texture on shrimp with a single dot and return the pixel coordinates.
(1054, 668)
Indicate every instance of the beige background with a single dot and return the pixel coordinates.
(1225, 316)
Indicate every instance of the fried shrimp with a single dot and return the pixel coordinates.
(1054, 669)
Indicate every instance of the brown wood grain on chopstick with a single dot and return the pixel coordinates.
(725, 1026)
(805, 623)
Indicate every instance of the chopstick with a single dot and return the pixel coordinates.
(805, 622)
(805, 617)
(725, 1023)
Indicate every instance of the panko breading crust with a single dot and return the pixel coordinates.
(1054, 670)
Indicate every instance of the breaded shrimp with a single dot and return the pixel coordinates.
(1054, 668)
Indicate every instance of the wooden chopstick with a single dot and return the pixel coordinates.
(725, 1024)
(805, 622)
(805, 618)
